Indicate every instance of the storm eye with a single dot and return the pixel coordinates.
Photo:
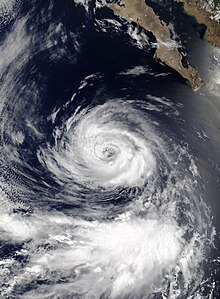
(109, 153)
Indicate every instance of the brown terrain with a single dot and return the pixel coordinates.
(167, 49)
(196, 9)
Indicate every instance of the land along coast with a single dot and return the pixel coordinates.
(167, 49)
(204, 15)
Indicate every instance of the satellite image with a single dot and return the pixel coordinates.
(110, 149)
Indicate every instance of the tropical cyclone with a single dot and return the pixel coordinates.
(167, 50)
(204, 14)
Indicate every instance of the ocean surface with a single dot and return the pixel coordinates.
(110, 172)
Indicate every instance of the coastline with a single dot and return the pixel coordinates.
(167, 50)
(197, 10)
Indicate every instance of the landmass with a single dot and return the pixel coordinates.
(206, 13)
(167, 49)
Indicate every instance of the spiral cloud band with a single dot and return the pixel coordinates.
(113, 149)
(100, 196)
(104, 150)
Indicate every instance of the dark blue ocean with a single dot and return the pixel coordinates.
(110, 173)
